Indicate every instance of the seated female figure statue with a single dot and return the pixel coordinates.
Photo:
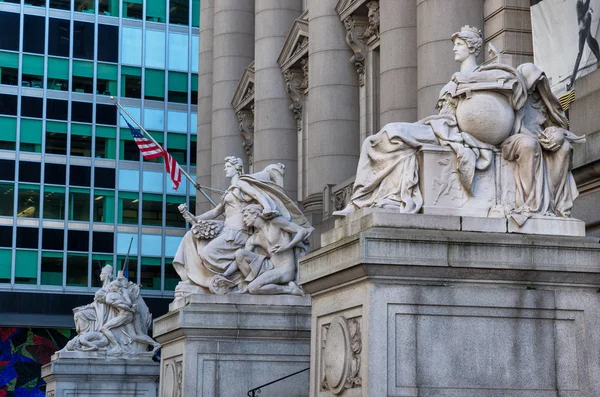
(387, 175)
(209, 247)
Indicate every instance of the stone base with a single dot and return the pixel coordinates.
(227, 345)
(411, 311)
(365, 218)
(70, 374)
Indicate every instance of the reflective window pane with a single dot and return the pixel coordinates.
(85, 6)
(31, 135)
(83, 40)
(178, 51)
(104, 206)
(32, 107)
(8, 138)
(105, 114)
(6, 233)
(28, 201)
(151, 245)
(58, 74)
(33, 34)
(171, 245)
(26, 267)
(52, 268)
(55, 174)
(109, 7)
(103, 242)
(60, 4)
(79, 205)
(56, 142)
(194, 54)
(154, 119)
(7, 201)
(129, 266)
(152, 182)
(179, 12)
(81, 111)
(10, 22)
(155, 49)
(53, 239)
(156, 11)
(80, 175)
(108, 43)
(173, 217)
(150, 273)
(104, 177)
(57, 109)
(27, 237)
(124, 240)
(81, 140)
(178, 87)
(129, 180)
(29, 171)
(128, 209)
(132, 9)
(177, 121)
(54, 202)
(58, 37)
(5, 263)
(131, 82)
(9, 68)
(78, 240)
(171, 277)
(77, 270)
(131, 46)
(151, 213)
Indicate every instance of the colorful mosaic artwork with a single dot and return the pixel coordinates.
(23, 351)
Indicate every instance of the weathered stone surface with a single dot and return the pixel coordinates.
(225, 345)
(451, 313)
(69, 375)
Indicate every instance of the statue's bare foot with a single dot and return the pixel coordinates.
(351, 207)
(295, 289)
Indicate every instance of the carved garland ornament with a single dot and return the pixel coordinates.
(342, 345)
(246, 125)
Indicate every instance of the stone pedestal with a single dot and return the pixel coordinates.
(227, 345)
(414, 305)
(77, 374)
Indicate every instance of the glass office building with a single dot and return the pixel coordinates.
(74, 191)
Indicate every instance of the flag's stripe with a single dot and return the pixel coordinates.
(151, 150)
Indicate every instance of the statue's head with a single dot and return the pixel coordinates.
(471, 37)
(233, 165)
(251, 213)
(106, 272)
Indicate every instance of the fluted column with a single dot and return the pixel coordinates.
(205, 80)
(333, 111)
(436, 21)
(275, 133)
(398, 67)
(233, 50)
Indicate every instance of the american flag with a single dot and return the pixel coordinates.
(151, 150)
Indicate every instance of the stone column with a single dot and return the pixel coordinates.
(436, 21)
(205, 77)
(333, 111)
(233, 50)
(398, 68)
(275, 135)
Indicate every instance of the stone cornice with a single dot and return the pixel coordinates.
(296, 45)
(244, 94)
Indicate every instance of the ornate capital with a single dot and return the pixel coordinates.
(246, 126)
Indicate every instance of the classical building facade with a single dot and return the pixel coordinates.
(304, 82)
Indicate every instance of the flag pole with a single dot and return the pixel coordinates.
(196, 185)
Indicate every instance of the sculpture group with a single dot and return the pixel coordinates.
(255, 248)
(116, 322)
(483, 110)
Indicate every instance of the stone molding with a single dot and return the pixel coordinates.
(243, 105)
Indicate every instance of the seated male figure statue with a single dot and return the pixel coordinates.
(273, 271)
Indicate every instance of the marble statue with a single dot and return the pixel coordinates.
(210, 248)
(482, 110)
(116, 322)
(268, 260)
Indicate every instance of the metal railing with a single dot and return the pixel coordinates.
(254, 392)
